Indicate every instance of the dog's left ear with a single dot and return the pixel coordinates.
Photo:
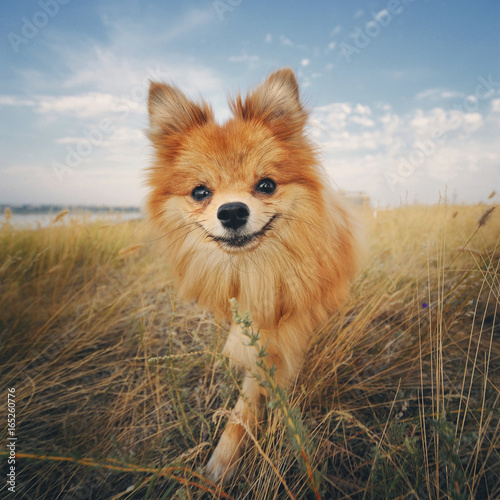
(276, 102)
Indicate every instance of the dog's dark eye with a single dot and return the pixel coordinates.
(199, 193)
(266, 186)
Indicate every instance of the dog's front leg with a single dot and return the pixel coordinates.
(224, 460)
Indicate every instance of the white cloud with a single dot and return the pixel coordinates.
(363, 110)
(85, 186)
(436, 94)
(90, 104)
(124, 144)
(107, 71)
(128, 59)
(495, 105)
(6, 100)
(451, 94)
(336, 30)
(331, 46)
(434, 148)
(305, 62)
(332, 116)
(72, 140)
(269, 38)
(363, 121)
(286, 42)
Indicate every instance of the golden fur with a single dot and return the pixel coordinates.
(293, 271)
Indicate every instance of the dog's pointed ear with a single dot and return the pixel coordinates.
(276, 102)
(171, 112)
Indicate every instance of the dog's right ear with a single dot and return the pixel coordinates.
(171, 112)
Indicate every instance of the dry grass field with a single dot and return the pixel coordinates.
(398, 398)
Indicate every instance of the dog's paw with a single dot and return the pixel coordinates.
(220, 470)
(224, 460)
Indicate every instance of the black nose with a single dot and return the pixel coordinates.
(233, 215)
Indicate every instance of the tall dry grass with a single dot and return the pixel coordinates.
(398, 397)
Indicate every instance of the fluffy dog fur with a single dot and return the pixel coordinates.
(290, 261)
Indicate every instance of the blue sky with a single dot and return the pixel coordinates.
(404, 94)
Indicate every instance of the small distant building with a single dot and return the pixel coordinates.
(358, 198)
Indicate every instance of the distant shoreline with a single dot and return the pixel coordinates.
(38, 216)
(22, 209)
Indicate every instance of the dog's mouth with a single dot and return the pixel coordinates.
(243, 240)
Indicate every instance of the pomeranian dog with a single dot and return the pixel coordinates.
(246, 212)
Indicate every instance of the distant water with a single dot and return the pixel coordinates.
(44, 219)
